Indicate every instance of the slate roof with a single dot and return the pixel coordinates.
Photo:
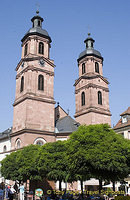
(6, 133)
(66, 125)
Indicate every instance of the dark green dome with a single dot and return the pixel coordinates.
(89, 49)
(37, 29)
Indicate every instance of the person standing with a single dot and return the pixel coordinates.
(21, 188)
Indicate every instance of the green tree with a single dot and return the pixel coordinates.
(52, 162)
(100, 150)
(21, 165)
(9, 167)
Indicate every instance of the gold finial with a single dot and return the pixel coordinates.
(89, 34)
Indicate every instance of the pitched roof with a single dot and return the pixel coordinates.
(126, 112)
(121, 125)
(66, 125)
(6, 133)
(126, 124)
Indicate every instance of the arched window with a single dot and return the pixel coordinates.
(22, 84)
(4, 148)
(39, 141)
(99, 98)
(83, 99)
(41, 48)
(83, 68)
(26, 49)
(18, 144)
(40, 82)
(96, 67)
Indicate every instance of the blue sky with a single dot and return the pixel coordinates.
(67, 23)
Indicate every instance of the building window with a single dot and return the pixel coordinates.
(124, 119)
(26, 50)
(83, 68)
(96, 67)
(83, 99)
(99, 98)
(39, 142)
(4, 148)
(40, 82)
(22, 84)
(18, 144)
(39, 23)
(41, 48)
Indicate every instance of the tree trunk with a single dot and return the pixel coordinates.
(81, 182)
(113, 184)
(60, 185)
(100, 185)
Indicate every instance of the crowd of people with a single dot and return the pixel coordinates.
(11, 192)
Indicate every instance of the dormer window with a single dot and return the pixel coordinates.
(124, 119)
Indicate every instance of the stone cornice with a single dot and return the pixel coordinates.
(89, 77)
(36, 98)
(9, 151)
(33, 58)
(88, 55)
(31, 131)
(32, 68)
(92, 109)
(93, 86)
(90, 58)
(63, 134)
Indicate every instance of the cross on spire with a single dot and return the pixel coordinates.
(37, 8)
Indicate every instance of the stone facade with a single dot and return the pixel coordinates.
(34, 98)
(35, 118)
(91, 88)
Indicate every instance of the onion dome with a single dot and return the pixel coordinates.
(89, 51)
(37, 28)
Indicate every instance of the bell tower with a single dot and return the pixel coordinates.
(91, 88)
(34, 100)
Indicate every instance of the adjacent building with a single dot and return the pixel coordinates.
(123, 125)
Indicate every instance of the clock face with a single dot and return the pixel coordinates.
(41, 62)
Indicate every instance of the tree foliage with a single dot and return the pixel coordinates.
(21, 165)
(93, 151)
(52, 162)
(97, 149)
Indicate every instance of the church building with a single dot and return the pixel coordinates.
(36, 120)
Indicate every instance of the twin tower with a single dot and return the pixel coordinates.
(34, 105)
